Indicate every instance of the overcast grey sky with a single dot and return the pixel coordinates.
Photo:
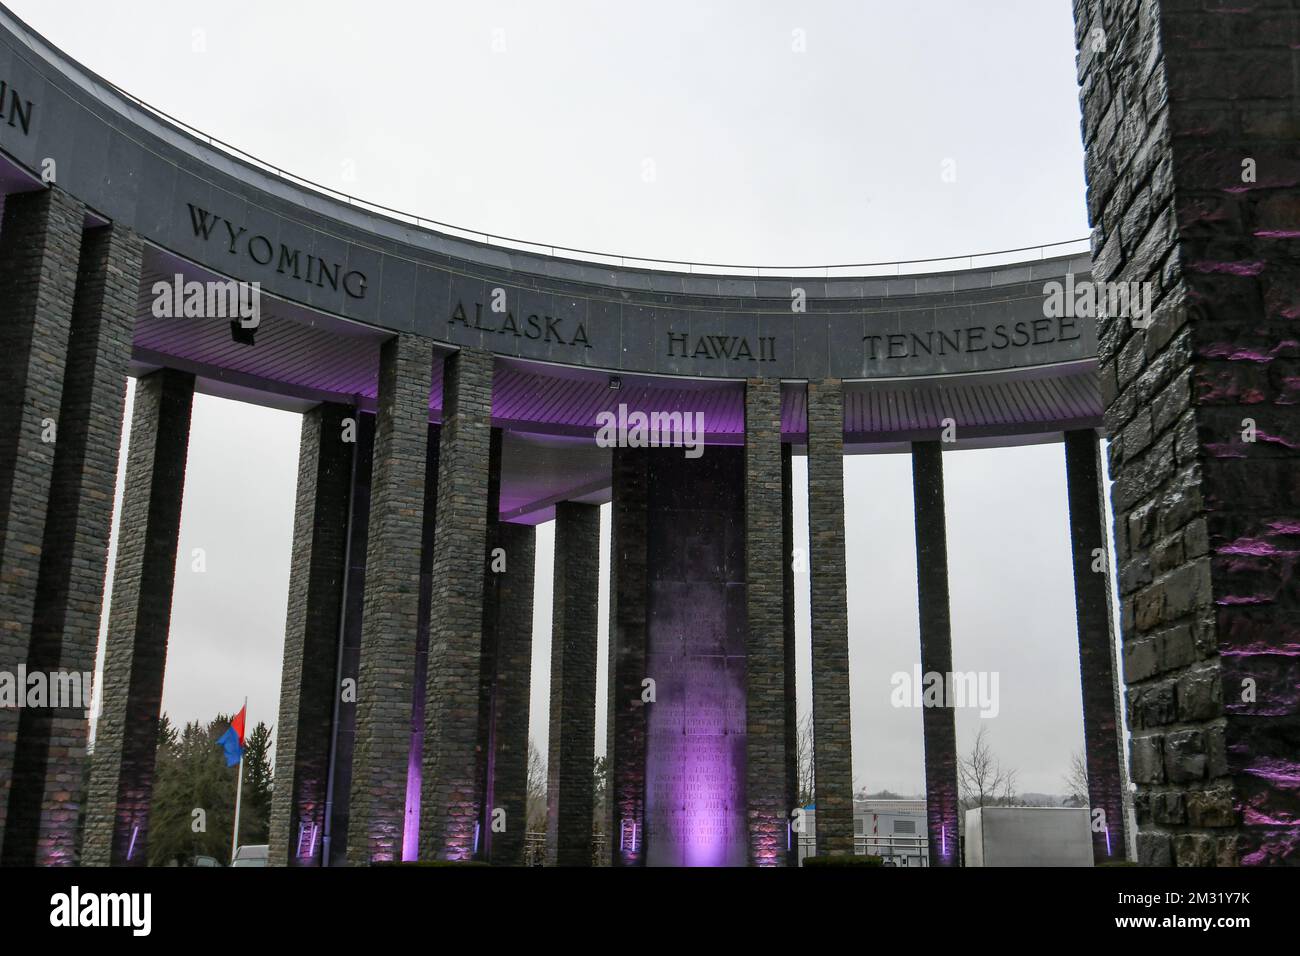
(540, 120)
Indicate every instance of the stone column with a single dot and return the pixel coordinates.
(833, 757)
(47, 795)
(1103, 752)
(766, 783)
(485, 750)
(791, 706)
(450, 803)
(415, 757)
(572, 740)
(343, 732)
(390, 612)
(626, 722)
(135, 655)
(1189, 123)
(40, 244)
(514, 662)
(307, 681)
(939, 725)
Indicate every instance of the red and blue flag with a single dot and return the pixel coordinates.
(232, 741)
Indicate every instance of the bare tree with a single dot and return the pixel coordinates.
(1009, 797)
(1076, 781)
(983, 781)
(536, 801)
(804, 760)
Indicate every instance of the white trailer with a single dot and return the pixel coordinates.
(1028, 836)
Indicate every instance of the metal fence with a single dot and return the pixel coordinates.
(894, 850)
(535, 849)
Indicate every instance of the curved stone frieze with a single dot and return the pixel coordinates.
(239, 220)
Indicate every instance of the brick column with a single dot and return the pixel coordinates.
(135, 655)
(833, 757)
(390, 612)
(766, 783)
(514, 663)
(450, 801)
(1189, 122)
(626, 723)
(939, 725)
(343, 733)
(415, 757)
(572, 741)
(46, 799)
(40, 243)
(788, 622)
(1103, 752)
(307, 681)
(488, 647)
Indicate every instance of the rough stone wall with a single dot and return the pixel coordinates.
(307, 688)
(1191, 121)
(572, 739)
(40, 244)
(833, 760)
(47, 796)
(449, 807)
(135, 655)
(768, 807)
(390, 612)
(939, 725)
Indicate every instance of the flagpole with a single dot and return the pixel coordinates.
(239, 790)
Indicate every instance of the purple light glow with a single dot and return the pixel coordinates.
(130, 851)
(1227, 268)
(706, 792)
(695, 757)
(1256, 547)
(411, 821)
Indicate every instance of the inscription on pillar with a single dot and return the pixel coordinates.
(695, 748)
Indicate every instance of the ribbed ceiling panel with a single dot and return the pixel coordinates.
(892, 410)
